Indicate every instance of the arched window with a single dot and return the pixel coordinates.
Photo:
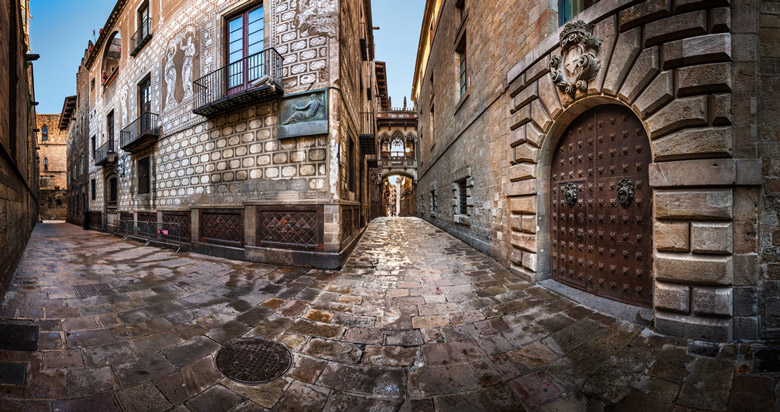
(45, 163)
(45, 132)
(397, 148)
(111, 57)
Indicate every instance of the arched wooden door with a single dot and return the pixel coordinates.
(602, 217)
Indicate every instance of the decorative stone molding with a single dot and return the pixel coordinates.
(577, 64)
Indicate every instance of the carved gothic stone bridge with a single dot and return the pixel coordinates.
(416, 320)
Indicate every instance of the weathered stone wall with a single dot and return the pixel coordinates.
(766, 284)
(52, 155)
(18, 167)
(688, 71)
(468, 136)
(78, 149)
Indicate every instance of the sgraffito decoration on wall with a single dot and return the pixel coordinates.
(303, 114)
(577, 64)
(316, 17)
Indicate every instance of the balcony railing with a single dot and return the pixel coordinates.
(141, 133)
(105, 154)
(244, 82)
(141, 36)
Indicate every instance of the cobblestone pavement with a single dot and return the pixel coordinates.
(417, 320)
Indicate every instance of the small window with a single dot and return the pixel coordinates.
(94, 147)
(432, 123)
(144, 182)
(92, 85)
(46, 163)
(567, 9)
(462, 66)
(110, 127)
(94, 189)
(45, 132)
(434, 201)
(462, 198)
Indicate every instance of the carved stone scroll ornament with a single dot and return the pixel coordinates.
(577, 64)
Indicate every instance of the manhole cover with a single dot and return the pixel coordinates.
(94, 289)
(253, 360)
(19, 337)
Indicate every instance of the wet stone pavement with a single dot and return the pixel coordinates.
(416, 321)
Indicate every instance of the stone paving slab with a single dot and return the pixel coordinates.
(415, 321)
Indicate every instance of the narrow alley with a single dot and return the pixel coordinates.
(416, 321)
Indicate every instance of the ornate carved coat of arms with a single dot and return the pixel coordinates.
(577, 64)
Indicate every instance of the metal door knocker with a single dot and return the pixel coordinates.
(570, 195)
(625, 191)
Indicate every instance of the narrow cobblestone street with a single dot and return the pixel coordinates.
(416, 321)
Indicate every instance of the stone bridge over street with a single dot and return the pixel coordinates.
(415, 321)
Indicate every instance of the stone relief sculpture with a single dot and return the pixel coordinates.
(123, 107)
(170, 77)
(577, 64)
(305, 112)
(317, 17)
(187, 66)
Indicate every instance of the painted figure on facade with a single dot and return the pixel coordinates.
(305, 112)
(170, 78)
(187, 65)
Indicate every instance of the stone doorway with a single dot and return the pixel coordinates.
(601, 203)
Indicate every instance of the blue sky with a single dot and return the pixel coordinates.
(60, 29)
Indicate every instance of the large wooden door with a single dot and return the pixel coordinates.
(602, 206)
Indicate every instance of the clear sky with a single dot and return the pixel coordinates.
(396, 43)
(60, 30)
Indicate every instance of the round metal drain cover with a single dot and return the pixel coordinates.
(253, 360)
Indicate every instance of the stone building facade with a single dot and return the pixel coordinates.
(625, 149)
(18, 161)
(233, 122)
(52, 148)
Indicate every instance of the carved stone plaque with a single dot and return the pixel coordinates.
(577, 64)
(303, 114)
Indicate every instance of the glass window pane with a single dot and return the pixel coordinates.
(256, 14)
(236, 24)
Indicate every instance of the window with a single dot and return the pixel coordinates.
(244, 44)
(397, 148)
(434, 201)
(110, 129)
(45, 133)
(92, 85)
(94, 189)
(462, 198)
(145, 95)
(570, 8)
(144, 182)
(143, 22)
(94, 147)
(111, 57)
(351, 165)
(46, 163)
(432, 122)
(462, 67)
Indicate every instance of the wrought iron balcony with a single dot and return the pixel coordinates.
(105, 154)
(241, 83)
(141, 133)
(141, 36)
